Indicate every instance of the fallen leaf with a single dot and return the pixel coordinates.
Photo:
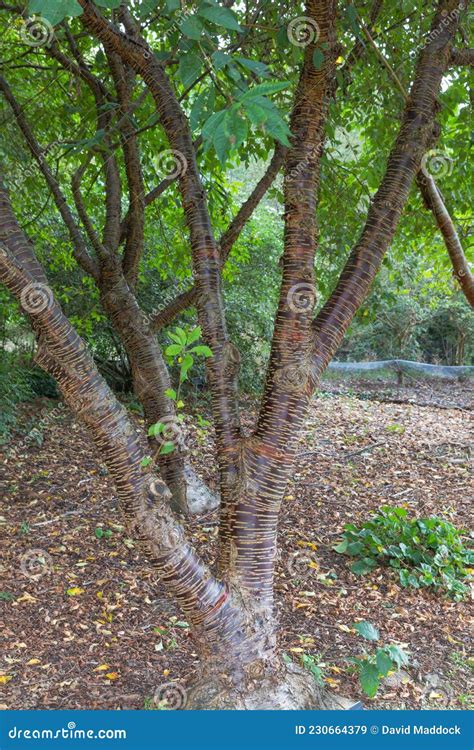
(74, 591)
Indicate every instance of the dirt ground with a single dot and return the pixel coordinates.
(96, 629)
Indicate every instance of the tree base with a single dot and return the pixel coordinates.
(200, 499)
(290, 689)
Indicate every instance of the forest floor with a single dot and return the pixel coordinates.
(98, 631)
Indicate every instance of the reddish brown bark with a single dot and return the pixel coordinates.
(404, 162)
(435, 203)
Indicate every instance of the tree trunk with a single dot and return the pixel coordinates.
(150, 377)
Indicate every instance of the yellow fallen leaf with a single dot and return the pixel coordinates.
(166, 672)
(336, 670)
(5, 678)
(345, 629)
(453, 640)
(74, 591)
(26, 598)
(33, 661)
(297, 650)
(331, 682)
(112, 675)
(339, 60)
(102, 668)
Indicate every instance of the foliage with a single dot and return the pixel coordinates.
(426, 552)
(373, 667)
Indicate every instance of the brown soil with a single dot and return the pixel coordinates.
(98, 631)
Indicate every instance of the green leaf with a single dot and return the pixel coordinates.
(366, 630)
(173, 350)
(384, 662)
(192, 27)
(341, 547)
(236, 127)
(369, 678)
(254, 65)
(318, 58)
(148, 6)
(155, 429)
(212, 123)
(171, 394)
(202, 351)
(99, 533)
(220, 59)
(190, 66)
(55, 11)
(221, 17)
(363, 566)
(146, 461)
(398, 655)
(256, 114)
(179, 335)
(186, 364)
(173, 5)
(166, 448)
(263, 89)
(220, 139)
(194, 335)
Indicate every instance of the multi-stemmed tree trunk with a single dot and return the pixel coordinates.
(231, 610)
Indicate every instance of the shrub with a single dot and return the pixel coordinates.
(425, 551)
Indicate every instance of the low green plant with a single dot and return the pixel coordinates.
(373, 666)
(101, 533)
(425, 552)
(182, 353)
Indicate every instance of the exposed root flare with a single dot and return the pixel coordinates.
(289, 689)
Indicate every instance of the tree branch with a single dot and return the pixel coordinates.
(135, 222)
(143, 498)
(81, 254)
(228, 238)
(413, 140)
(434, 202)
(221, 369)
(462, 57)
